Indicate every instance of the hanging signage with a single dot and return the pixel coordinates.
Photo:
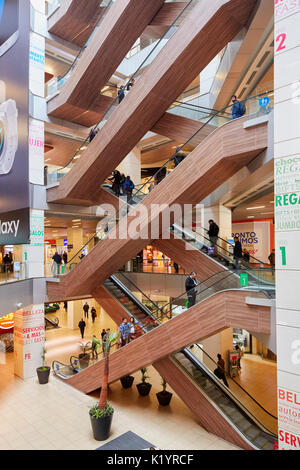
(14, 120)
(14, 227)
(244, 281)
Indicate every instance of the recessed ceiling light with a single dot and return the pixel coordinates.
(257, 207)
(76, 220)
(250, 217)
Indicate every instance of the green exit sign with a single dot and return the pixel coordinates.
(244, 281)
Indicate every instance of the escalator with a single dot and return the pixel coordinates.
(51, 322)
(151, 96)
(120, 24)
(218, 157)
(229, 407)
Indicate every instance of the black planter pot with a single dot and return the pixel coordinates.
(144, 388)
(43, 374)
(127, 381)
(101, 427)
(164, 398)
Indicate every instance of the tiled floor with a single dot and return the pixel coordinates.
(55, 416)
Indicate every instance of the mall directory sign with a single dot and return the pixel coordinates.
(14, 120)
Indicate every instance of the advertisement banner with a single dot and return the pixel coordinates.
(255, 236)
(14, 227)
(14, 114)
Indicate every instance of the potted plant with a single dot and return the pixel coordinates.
(127, 381)
(101, 414)
(144, 387)
(164, 397)
(44, 371)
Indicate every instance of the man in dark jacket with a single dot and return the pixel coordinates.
(56, 264)
(121, 94)
(238, 108)
(213, 232)
(237, 252)
(81, 326)
(86, 308)
(178, 157)
(191, 288)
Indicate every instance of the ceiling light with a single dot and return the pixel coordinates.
(76, 220)
(250, 217)
(257, 207)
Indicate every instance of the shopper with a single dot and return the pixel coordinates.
(65, 257)
(82, 326)
(237, 252)
(128, 187)
(238, 108)
(93, 314)
(56, 264)
(240, 354)
(178, 157)
(132, 331)
(271, 258)
(220, 371)
(124, 332)
(191, 288)
(176, 267)
(94, 348)
(246, 256)
(121, 94)
(86, 308)
(130, 84)
(116, 182)
(92, 134)
(213, 233)
(105, 337)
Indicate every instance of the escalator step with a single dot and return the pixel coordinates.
(268, 446)
(261, 442)
(252, 432)
(214, 394)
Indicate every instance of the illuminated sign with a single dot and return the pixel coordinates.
(7, 322)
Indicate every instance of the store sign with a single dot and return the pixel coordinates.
(284, 8)
(37, 228)
(6, 323)
(255, 237)
(14, 227)
(288, 419)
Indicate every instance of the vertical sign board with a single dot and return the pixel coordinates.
(244, 280)
(29, 338)
(14, 115)
(287, 219)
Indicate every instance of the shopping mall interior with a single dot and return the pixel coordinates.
(149, 173)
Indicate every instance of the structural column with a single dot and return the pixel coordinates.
(287, 219)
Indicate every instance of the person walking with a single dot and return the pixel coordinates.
(94, 348)
(92, 134)
(82, 326)
(220, 371)
(237, 252)
(116, 181)
(128, 187)
(213, 233)
(240, 354)
(86, 308)
(65, 257)
(124, 332)
(191, 288)
(238, 108)
(271, 258)
(93, 314)
(132, 330)
(121, 94)
(56, 264)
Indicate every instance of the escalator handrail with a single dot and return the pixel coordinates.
(242, 388)
(191, 138)
(243, 409)
(86, 141)
(132, 297)
(219, 246)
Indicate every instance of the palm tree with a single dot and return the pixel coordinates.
(111, 338)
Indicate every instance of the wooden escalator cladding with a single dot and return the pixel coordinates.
(206, 29)
(212, 163)
(220, 311)
(120, 28)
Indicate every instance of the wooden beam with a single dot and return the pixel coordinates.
(223, 310)
(121, 26)
(212, 163)
(204, 29)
